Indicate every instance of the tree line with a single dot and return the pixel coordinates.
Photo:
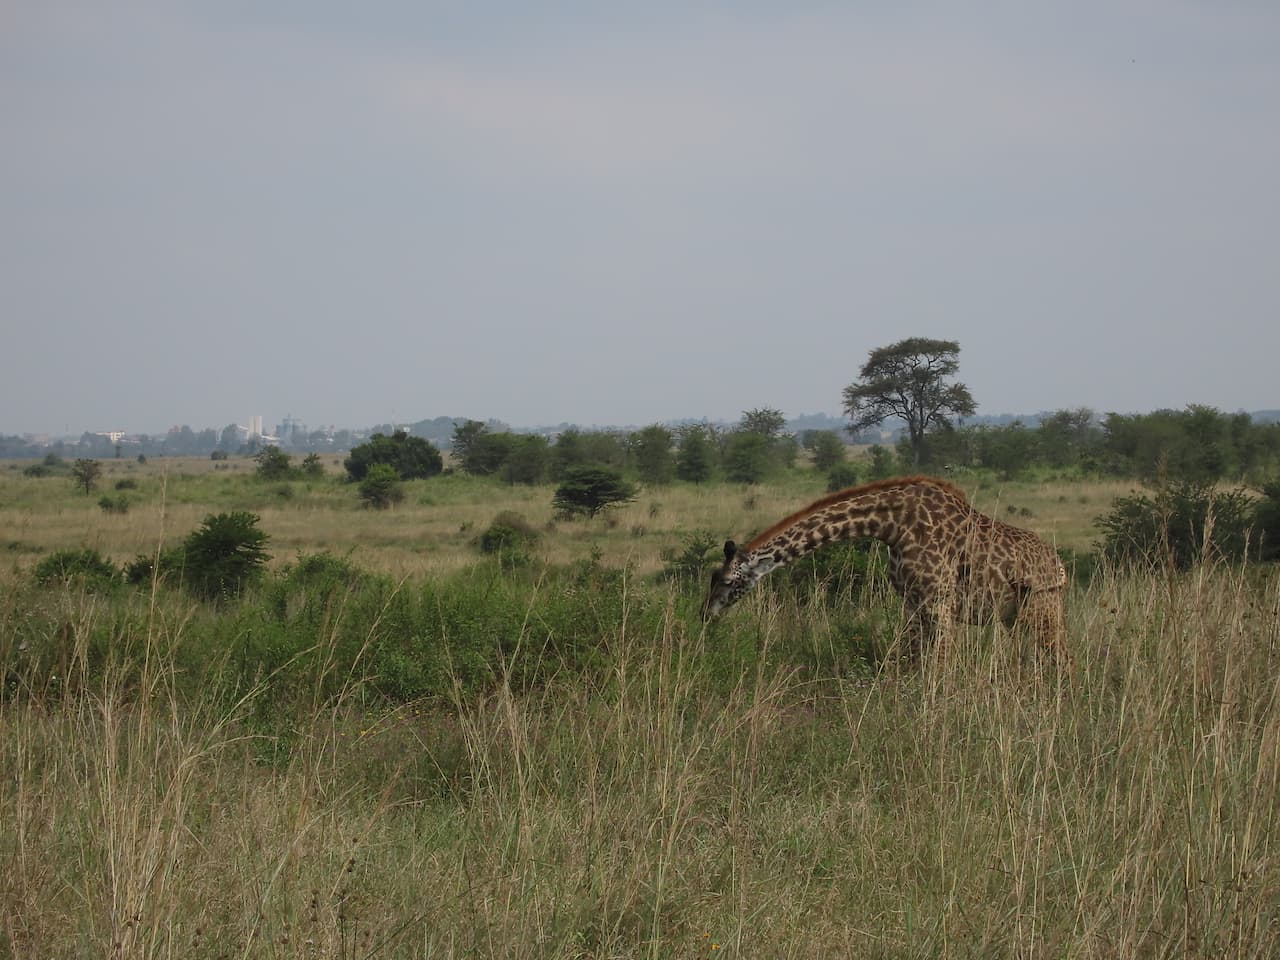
(1198, 444)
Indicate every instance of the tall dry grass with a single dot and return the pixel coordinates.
(983, 806)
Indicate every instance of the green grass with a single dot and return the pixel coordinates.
(555, 759)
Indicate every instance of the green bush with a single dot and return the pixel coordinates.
(1267, 521)
(118, 504)
(380, 487)
(224, 556)
(1184, 523)
(274, 464)
(510, 532)
(698, 552)
(841, 476)
(141, 569)
(85, 566)
(410, 457)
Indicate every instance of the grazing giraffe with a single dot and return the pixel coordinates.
(950, 563)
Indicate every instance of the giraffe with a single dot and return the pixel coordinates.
(950, 563)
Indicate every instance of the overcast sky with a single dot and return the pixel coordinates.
(624, 213)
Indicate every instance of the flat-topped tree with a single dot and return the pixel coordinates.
(909, 379)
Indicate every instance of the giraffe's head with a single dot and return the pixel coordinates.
(728, 583)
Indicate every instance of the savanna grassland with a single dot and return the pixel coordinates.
(397, 746)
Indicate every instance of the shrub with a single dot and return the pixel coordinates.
(85, 566)
(688, 563)
(826, 446)
(312, 467)
(380, 487)
(118, 504)
(128, 483)
(883, 462)
(218, 455)
(410, 457)
(274, 464)
(1267, 521)
(1184, 523)
(509, 532)
(840, 476)
(225, 555)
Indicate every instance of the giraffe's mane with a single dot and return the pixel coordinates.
(847, 494)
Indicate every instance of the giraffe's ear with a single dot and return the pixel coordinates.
(730, 550)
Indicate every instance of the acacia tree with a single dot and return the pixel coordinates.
(909, 379)
(85, 473)
(591, 489)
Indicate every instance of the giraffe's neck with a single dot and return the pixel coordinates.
(884, 515)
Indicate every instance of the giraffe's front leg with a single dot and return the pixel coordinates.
(919, 629)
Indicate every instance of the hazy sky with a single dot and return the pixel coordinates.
(622, 213)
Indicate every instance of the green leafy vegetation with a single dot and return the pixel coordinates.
(381, 487)
(1182, 524)
(588, 490)
(85, 567)
(85, 473)
(579, 767)
(410, 457)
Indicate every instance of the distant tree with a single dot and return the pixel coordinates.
(488, 453)
(747, 457)
(380, 487)
(696, 456)
(411, 457)
(826, 447)
(311, 466)
(883, 462)
(229, 438)
(1065, 437)
(652, 454)
(575, 448)
(1008, 450)
(527, 459)
(908, 379)
(464, 435)
(273, 464)
(85, 474)
(766, 421)
(591, 489)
